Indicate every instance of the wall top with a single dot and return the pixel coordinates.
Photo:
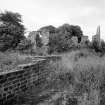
(21, 66)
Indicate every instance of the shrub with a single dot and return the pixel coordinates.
(79, 82)
(98, 46)
(11, 60)
(86, 75)
(11, 30)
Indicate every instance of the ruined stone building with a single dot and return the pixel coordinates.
(44, 36)
(97, 36)
(32, 37)
(84, 39)
(74, 40)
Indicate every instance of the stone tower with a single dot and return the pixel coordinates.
(97, 36)
(98, 33)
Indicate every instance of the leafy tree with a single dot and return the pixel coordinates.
(64, 28)
(11, 31)
(95, 46)
(102, 46)
(76, 31)
(49, 28)
(25, 44)
(71, 30)
(10, 17)
(60, 41)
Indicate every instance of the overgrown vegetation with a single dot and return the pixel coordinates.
(60, 40)
(81, 74)
(11, 30)
(98, 47)
(77, 79)
(25, 46)
(9, 61)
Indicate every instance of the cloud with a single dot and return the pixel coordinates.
(37, 13)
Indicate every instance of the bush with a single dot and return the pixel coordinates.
(86, 75)
(25, 46)
(11, 30)
(61, 41)
(70, 81)
(98, 46)
(10, 60)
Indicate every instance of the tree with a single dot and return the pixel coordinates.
(24, 45)
(76, 31)
(103, 46)
(60, 41)
(95, 46)
(71, 30)
(49, 28)
(11, 31)
(10, 17)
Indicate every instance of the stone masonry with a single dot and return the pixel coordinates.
(16, 81)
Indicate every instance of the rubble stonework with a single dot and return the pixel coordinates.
(32, 37)
(12, 83)
(44, 35)
(75, 40)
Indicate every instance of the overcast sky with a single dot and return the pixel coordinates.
(37, 13)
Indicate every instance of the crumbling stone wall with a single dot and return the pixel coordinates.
(19, 80)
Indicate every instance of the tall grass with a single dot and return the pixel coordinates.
(77, 79)
(9, 60)
(82, 73)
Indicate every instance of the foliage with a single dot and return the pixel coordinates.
(95, 45)
(76, 31)
(99, 47)
(49, 28)
(11, 30)
(103, 46)
(71, 80)
(10, 60)
(71, 30)
(81, 74)
(24, 45)
(60, 41)
(9, 17)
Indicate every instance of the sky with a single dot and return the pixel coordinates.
(88, 14)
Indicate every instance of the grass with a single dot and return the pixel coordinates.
(81, 74)
(9, 60)
(77, 79)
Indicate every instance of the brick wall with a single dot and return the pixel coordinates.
(19, 80)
